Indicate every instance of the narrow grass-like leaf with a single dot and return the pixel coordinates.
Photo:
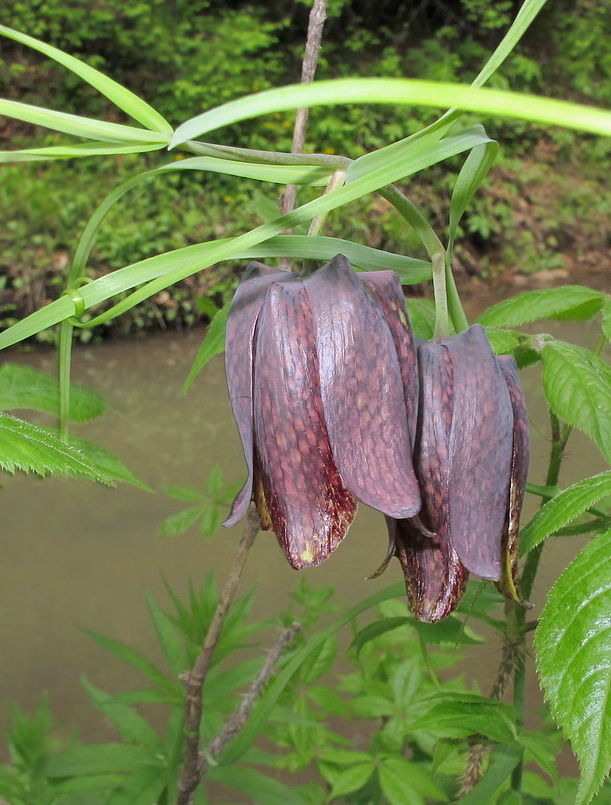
(503, 761)
(171, 644)
(119, 95)
(213, 344)
(278, 174)
(23, 387)
(567, 504)
(573, 645)
(264, 707)
(78, 150)
(534, 305)
(403, 91)
(138, 661)
(96, 759)
(577, 387)
(257, 786)
(80, 126)
(376, 629)
(25, 447)
(470, 177)
(131, 726)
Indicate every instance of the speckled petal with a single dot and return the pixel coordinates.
(245, 308)
(309, 506)
(435, 578)
(481, 445)
(386, 289)
(508, 585)
(362, 391)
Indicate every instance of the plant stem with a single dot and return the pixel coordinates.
(442, 321)
(194, 679)
(318, 14)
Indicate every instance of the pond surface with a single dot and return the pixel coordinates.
(76, 554)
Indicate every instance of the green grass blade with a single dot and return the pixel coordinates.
(278, 174)
(77, 150)
(119, 95)
(213, 344)
(266, 704)
(403, 91)
(80, 126)
(471, 175)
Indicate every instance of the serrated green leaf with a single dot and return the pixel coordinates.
(376, 629)
(24, 387)
(257, 786)
(458, 718)
(534, 305)
(105, 462)
(543, 749)
(503, 342)
(573, 646)
(171, 643)
(319, 661)
(577, 387)
(184, 493)
(180, 522)
(351, 779)
(131, 726)
(118, 94)
(416, 775)
(26, 447)
(450, 630)
(564, 507)
(606, 324)
(396, 788)
(105, 758)
(141, 788)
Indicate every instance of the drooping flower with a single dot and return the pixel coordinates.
(319, 370)
(471, 458)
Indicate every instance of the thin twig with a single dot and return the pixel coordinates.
(318, 14)
(235, 722)
(194, 679)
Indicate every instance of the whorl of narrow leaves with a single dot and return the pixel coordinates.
(577, 387)
(573, 645)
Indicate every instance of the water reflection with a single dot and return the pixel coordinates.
(78, 554)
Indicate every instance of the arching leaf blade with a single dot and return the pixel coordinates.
(404, 91)
(80, 126)
(577, 385)
(573, 646)
(77, 150)
(564, 507)
(470, 177)
(115, 92)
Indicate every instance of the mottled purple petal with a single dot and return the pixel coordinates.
(481, 447)
(387, 291)
(435, 578)
(245, 308)
(508, 585)
(309, 506)
(362, 391)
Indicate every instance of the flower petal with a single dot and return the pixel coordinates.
(435, 578)
(245, 308)
(388, 292)
(308, 504)
(362, 391)
(481, 447)
(508, 585)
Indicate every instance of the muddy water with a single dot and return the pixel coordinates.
(76, 554)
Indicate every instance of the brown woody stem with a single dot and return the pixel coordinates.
(194, 679)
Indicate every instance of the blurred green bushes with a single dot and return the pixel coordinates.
(186, 56)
